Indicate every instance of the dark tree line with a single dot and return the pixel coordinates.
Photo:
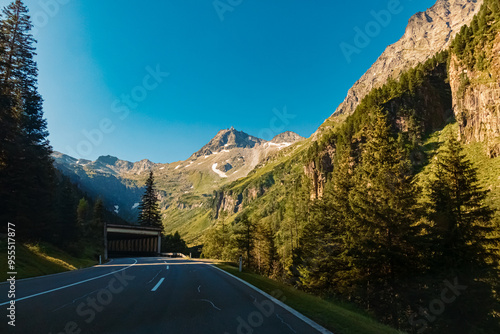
(42, 203)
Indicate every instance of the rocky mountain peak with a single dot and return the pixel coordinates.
(228, 139)
(287, 137)
(427, 33)
(106, 160)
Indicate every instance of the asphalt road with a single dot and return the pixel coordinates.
(146, 295)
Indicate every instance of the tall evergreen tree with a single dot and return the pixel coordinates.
(323, 243)
(465, 245)
(383, 203)
(26, 171)
(149, 208)
(245, 237)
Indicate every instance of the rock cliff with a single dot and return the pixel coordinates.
(427, 33)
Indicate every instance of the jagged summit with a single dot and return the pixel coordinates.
(106, 160)
(287, 137)
(228, 139)
(427, 33)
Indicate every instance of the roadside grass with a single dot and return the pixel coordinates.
(338, 317)
(41, 259)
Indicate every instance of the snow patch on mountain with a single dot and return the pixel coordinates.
(218, 172)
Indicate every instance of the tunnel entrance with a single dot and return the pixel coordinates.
(130, 241)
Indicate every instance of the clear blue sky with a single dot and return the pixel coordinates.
(264, 55)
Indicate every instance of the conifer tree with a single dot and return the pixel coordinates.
(323, 243)
(383, 204)
(98, 219)
(245, 236)
(465, 246)
(149, 208)
(26, 171)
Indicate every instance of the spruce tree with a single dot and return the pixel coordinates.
(149, 208)
(245, 237)
(26, 171)
(383, 204)
(323, 243)
(465, 245)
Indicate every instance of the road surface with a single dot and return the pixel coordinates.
(146, 295)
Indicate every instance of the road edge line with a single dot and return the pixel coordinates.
(296, 313)
(56, 274)
(67, 286)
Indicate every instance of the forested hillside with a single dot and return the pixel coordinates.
(39, 201)
(392, 205)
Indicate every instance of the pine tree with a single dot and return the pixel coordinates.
(149, 208)
(245, 237)
(383, 204)
(323, 243)
(465, 246)
(26, 171)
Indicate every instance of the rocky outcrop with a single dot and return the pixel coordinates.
(476, 102)
(427, 33)
(226, 202)
(318, 170)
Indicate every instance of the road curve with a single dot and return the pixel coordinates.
(146, 295)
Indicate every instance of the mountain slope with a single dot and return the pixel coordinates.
(427, 33)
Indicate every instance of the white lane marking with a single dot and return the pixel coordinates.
(158, 284)
(70, 285)
(284, 323)
(208, 301)
(57, 274)
(302, 317)
(158, 273)
(199, 287)
(168, 267)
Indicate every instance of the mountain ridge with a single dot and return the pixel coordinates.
(426, 34)
(228, 156)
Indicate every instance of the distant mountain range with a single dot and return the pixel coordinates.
(230, 155)
(236, 172)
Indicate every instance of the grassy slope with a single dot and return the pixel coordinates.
(41, 259)
(488, 168)
(190, 223)
(335, 316)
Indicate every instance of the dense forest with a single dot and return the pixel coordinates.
(42, 203)
(402, 227)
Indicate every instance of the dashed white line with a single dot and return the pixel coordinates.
(199, 287)
(208, 301)
(158, 284)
